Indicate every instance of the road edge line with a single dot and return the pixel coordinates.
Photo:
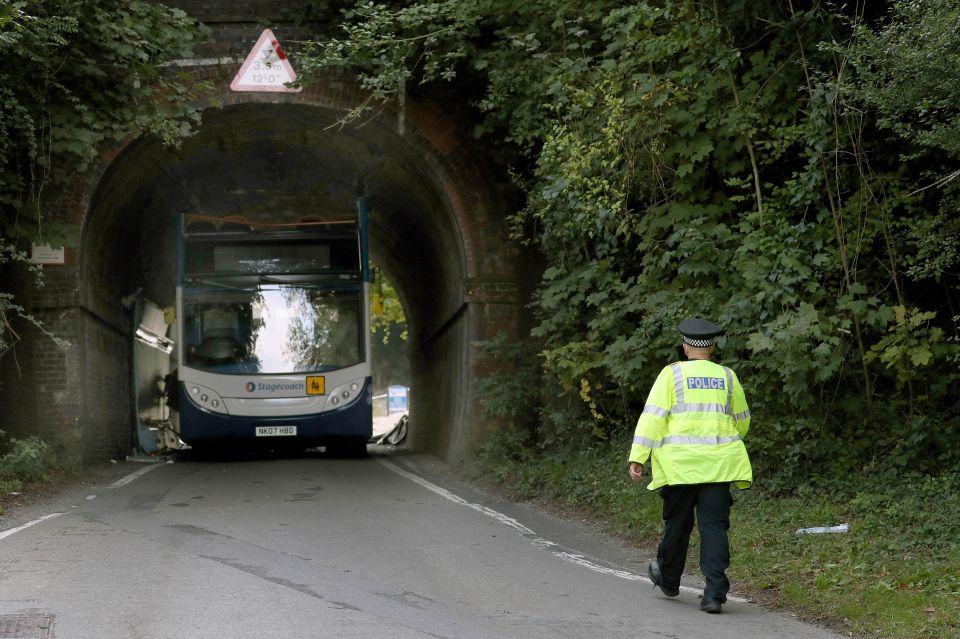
(123, 481)
(544, 544)
(7, 533)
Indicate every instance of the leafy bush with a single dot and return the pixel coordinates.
(29, 460)
(511, 390)
(788, 172)
(78, 75)
(8, 486)
(916, 514)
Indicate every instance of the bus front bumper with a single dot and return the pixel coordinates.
(354, 421)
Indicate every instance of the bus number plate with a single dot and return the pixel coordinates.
(276, 431)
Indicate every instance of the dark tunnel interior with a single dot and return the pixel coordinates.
(283, 162)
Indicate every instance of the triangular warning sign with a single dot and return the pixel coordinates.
(266, 68)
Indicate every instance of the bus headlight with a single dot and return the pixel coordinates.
(346, 394)
(206, 399)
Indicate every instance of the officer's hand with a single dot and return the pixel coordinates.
(636, 471)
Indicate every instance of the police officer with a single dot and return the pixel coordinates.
(692, 430)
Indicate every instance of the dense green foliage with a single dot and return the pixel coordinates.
(785, 171)
(391, 362)
(26, 460)
(77, 74)
(386, 313)
(30, 459)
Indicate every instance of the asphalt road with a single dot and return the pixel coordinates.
(384, 547)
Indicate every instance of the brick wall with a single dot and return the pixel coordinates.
(440, 384)
(58, 379)
(18, 415)
(235, 26)
(107, 413)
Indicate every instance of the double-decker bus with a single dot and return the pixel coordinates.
(273, 329)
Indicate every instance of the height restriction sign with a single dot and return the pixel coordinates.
(266, 68)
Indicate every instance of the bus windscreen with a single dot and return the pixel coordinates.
(272, 329)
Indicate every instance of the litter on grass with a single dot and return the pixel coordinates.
(820, 530)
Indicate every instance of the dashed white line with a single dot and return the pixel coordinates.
(506, 520)
(544, 544)
(7, 533)
(123, 481)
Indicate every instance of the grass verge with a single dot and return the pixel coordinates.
(895, 574)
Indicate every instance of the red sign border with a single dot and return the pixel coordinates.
(254, 52)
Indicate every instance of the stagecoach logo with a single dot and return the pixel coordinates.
(273, 388)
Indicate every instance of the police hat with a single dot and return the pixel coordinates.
(699, 332)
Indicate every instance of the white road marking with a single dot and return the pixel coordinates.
(539, 542)
(7, 533)
(123, 481)
(120, 482)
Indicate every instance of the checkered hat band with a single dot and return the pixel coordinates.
(698, 343)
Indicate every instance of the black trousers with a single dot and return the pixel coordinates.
(712, 505)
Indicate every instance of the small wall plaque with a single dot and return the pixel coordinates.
(46, 254)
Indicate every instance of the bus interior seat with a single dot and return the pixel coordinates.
(221, 335)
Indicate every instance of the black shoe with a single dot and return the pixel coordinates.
(712, 606)
(653, 571)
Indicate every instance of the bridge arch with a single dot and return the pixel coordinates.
(438, 229)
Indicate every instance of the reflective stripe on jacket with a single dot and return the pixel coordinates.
(692, 427)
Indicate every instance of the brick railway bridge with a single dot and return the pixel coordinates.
(438, 230)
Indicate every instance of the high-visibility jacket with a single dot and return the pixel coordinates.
(692, 427)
